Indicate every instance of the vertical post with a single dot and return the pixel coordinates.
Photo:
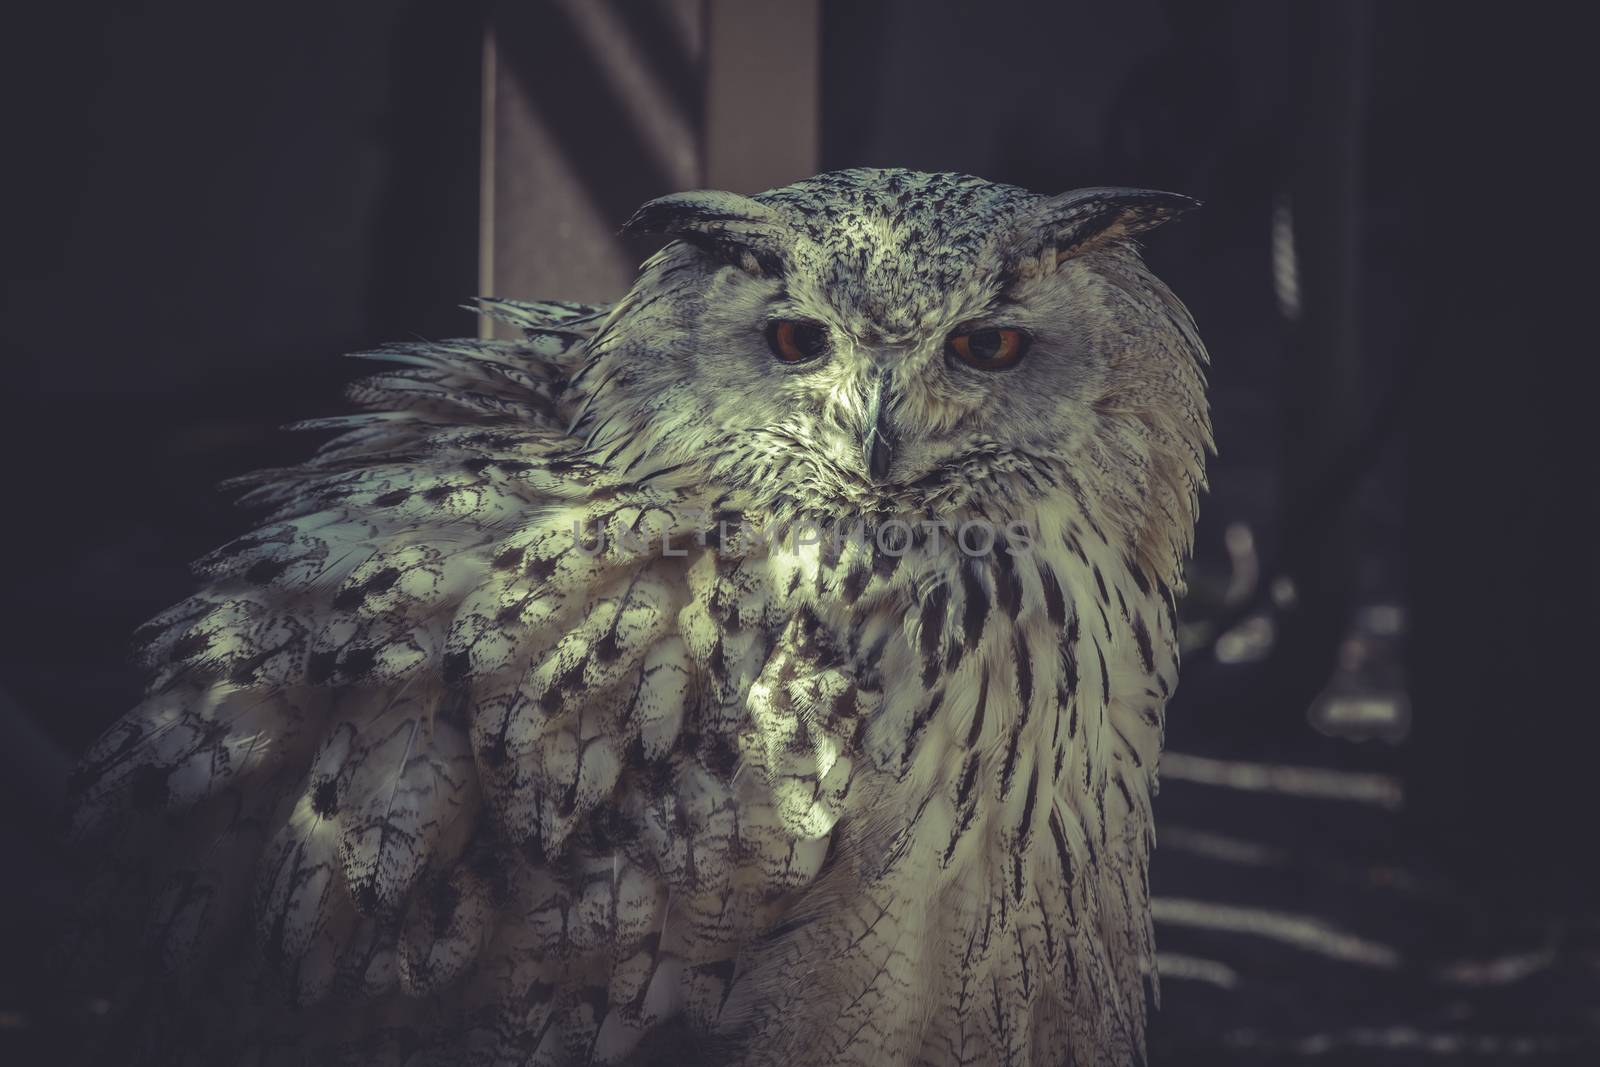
(591, 108)
(763, 93)
(487, 220)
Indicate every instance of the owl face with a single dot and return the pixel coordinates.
(870, 339)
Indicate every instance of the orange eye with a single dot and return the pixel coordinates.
(991, 348)
(796, 342)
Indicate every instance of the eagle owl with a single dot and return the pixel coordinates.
(768, 668)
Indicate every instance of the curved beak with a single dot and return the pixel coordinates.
(877, 444)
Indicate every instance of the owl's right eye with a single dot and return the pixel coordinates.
(793, 341)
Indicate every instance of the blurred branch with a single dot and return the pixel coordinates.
(1324, 396)
(1318, 507)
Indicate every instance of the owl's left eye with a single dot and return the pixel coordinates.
(794, 341)
(991, 348)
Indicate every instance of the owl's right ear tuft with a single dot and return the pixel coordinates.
(1083, 219)
(734, 228)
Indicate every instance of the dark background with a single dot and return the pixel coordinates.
(206, 204)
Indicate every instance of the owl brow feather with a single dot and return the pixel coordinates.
(735, 229)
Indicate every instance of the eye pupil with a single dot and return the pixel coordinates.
(796, 342)
(989, 348)
(809, 339)
(985, 344)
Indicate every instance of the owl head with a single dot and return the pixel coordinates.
(887, 341)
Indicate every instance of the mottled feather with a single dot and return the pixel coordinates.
(590, 698)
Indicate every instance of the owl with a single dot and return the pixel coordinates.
(766, 669)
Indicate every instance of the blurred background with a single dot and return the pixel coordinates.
(1376, 822)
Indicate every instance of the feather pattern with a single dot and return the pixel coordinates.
(532, 724)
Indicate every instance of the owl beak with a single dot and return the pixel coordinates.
(877, 445)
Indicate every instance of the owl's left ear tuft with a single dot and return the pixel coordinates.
(1083, 219)
(736, 229)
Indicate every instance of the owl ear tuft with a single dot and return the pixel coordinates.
(1083, 219)
(736, 229)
